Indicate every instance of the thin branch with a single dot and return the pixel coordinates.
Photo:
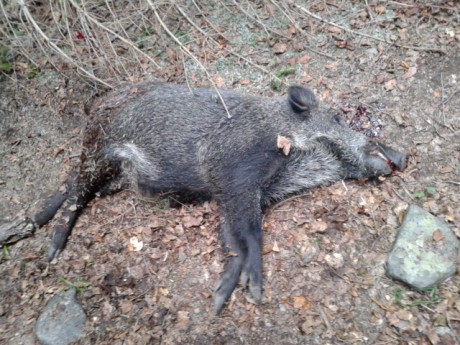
(103, 27)
(31, 20)
(353, 32)
(232, 52)
(175, 39)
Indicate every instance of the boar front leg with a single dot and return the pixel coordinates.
(241, 226)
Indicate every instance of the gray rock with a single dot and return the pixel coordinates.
(62, 320)
(425, 251)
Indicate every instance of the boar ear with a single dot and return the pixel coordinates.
(301, 99)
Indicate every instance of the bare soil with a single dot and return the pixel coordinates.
(325, 251)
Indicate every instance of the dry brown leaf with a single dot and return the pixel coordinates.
(164, 292)
(404, 314)
(183, 319)
(126, 306)
(318, 226)
(300, 302)
(291, 30)
(266, 251)
(310, 324)
(390, 84)
(380, 9)
(434, 338)
(56, 151)
(410, 72)
(445, 169)
(192, 221)
(438, 235)
(284, 144)
(306, 79)
(279, 48)
(334, 29)
(219, 81)
(304, 59)
(245, 81)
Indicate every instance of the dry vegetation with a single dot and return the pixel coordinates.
(389, 67)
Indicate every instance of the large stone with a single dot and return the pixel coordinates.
(425, 251)
(62, 320)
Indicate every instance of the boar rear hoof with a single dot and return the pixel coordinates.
(252, 281)
(250, 276)
(61, 232)
(227, 282)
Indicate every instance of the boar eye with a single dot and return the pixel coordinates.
(337, 119)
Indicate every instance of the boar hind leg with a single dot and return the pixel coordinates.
(53, 204)
(90, 180)
(241, 227)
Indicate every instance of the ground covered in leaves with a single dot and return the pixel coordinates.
(145, 269)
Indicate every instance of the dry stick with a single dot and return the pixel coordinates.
(216, 43)
(31, 20)
(247, 14)
(40, 44)
(103, 27)
(65, 9)
(427, 5)
(298, 28)
(192, 23)
(353, 32)
(54, 16)
(235, 53)
(303, 33)
(92, 42)
(16, 39)
(293, 22)
(442, 99)
(126, 34)
(369, 10)
(170, 34)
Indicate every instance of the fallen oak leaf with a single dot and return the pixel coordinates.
(284, 144)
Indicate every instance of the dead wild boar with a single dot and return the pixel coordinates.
(166, 138)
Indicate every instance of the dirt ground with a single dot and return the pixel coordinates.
(325, 251)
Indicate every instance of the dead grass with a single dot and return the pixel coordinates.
(107, 42)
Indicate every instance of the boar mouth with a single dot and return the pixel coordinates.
(371, 160)
(394, 160)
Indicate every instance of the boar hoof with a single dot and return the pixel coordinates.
(227, 283)
(61, 232)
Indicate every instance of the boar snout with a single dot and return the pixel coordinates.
(383, 160)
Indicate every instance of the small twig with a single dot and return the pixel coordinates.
(323, 315)
(453, 182)
(449, 98)
(400, 3)
(369, 10)
(442, 99)
(105, 28)
(170, 34)
(31, 20)
(353, 32)
(232, 52)
(185, 74)
(405, 190)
